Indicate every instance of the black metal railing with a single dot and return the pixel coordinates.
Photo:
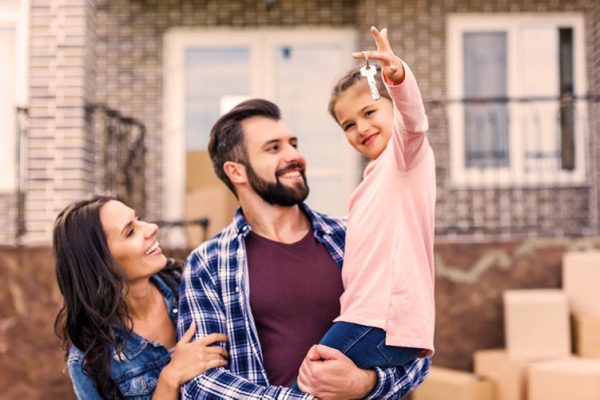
(516, 166)
(183, 234)
(120, 153)
(21, 163)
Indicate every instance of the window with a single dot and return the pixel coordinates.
(13, 53)
(208, 71)
(511, 81)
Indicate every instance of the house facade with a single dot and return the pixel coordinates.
(509, 89)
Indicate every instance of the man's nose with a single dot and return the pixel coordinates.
(292, 153)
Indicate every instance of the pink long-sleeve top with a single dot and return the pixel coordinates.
(388, 272)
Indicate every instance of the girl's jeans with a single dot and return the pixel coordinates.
(366, 346)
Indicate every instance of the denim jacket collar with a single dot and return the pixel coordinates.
(136, 344)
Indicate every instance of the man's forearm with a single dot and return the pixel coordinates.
(220, 383)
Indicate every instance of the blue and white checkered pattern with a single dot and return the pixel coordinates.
(214, 293)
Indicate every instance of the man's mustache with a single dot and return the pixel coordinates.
(291, 167)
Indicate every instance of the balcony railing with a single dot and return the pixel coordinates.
(511, 167)
(21, 161)
(119, 155)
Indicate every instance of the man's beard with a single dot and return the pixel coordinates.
(276, 193)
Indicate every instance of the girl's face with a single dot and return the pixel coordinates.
(366, 123)
(132, 243)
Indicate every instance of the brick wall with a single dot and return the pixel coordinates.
(61, 82)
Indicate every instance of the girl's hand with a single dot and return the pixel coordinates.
(391, 65)
(192, 358)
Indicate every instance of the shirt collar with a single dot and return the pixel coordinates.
(320, 227)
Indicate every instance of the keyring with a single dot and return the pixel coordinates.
(366, 58)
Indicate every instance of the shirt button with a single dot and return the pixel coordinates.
(175, 310)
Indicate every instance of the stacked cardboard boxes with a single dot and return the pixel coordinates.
(447, 384)
(536, 328)
(541, 328)
(537, 363)
(581, 280)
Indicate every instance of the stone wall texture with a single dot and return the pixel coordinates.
(471, 278)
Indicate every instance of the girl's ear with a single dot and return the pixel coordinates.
(236, 172)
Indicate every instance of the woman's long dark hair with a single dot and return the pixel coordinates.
(93, 287)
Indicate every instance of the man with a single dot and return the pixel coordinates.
(271, 280)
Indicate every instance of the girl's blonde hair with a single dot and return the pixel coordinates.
(347, 81)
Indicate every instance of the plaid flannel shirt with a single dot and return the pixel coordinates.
(215, 294)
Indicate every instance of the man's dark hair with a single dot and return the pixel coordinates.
(227, 138)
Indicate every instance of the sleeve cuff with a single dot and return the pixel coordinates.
(380, 388)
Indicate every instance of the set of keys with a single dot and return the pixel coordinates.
(369, 71)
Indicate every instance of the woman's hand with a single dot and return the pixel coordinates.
(192, 358)
(391, 65)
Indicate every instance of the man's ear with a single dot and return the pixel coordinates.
(236, 172)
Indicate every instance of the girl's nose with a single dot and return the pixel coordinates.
(362, 126)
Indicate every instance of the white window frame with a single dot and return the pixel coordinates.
(513, 175)
(260, 42)
(15, 15)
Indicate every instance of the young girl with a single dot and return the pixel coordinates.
(387, 308)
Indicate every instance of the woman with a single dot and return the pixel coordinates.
(117, 321)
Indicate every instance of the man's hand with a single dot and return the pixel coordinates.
(328, 374)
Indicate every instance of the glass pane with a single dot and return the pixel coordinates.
(485, 77)
(304, 77)
(325, 196)
(538, 77)
(213, 76)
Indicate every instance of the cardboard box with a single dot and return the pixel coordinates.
(572, 379)
(586, 336)
(536, 324)
(508, 376)
(581, 282)
(447, 384)
(216, 203)
(205, 197)
(199, 171)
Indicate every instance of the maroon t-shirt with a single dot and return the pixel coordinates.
(294, 296)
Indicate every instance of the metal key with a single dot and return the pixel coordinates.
(369, 71)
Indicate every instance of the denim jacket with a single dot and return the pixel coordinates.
(136, 369)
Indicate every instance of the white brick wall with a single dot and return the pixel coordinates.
(62, 74)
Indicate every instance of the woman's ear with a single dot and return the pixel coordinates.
(236, 172)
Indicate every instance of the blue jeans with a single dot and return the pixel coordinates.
(366, 347)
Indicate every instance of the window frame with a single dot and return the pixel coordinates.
(15, 15)
(514, 175)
